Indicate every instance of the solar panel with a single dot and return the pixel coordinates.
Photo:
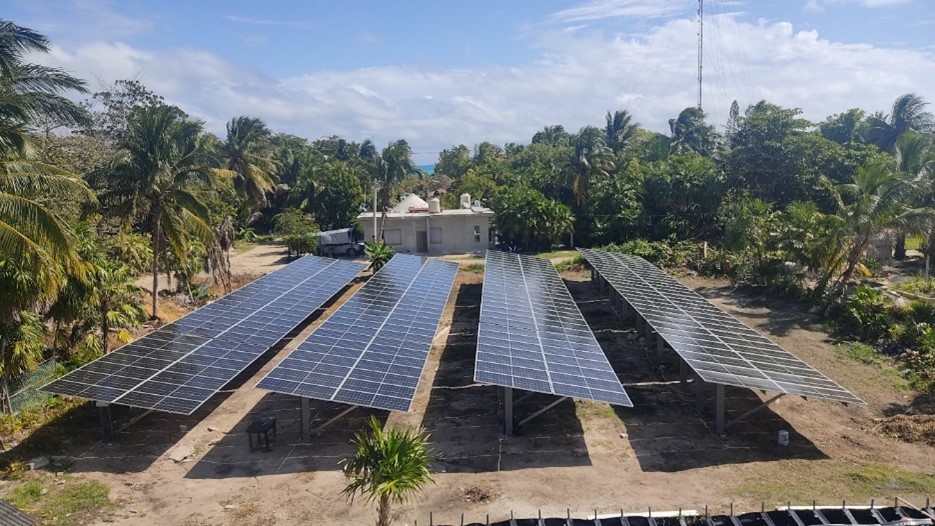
(372, 350)
(533, 337)
(717, 346)
(177, 367)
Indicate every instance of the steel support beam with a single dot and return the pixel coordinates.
(539, 412)
(755, 409)
(719, 408)
(699, 394)
(319, 429)
(508, 411)
(306, 419)
(660, 347)
(683, 372)
(107, 423)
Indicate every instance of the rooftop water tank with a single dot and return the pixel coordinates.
(465, 200)
(434, 206)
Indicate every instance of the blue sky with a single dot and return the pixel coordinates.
(439, 73)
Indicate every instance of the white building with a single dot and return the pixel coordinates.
(416, 227)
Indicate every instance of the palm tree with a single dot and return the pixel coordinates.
(691, 134)
(36, 245)
(155, 178)
(908, 114)
(243, 157)
(878, 199)
(388, 467)
(591, 156)
(554, 135)
(620, 130)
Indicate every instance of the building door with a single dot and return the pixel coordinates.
(422, 241)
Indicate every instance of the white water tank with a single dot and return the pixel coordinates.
(465, 200)
(434, 206)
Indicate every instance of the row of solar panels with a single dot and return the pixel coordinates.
(372, 350)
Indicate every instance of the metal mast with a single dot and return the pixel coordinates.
(700, 46)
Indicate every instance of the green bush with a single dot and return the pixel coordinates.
(866, 314)
(667, 254)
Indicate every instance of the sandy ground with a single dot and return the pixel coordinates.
(578, 457)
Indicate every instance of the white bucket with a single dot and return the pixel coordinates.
(783, 438)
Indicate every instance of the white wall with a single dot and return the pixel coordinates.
(457, 232)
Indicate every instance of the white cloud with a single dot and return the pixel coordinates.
(819, 5)
(600, 9)
(575, 79)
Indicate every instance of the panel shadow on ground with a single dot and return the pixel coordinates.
(231, 457)
(464, 418)
(663, 428)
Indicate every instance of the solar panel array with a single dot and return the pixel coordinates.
(533, 337)
(177, 367)
(716, 345)
(372, 350)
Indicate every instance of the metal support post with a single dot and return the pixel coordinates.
(508, 411)
(306, 419)
(699, 394)
(660, 347)
(107, 423)
(683, 372)
(648, 332)
(719, 408)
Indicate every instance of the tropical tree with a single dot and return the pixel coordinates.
(244, 157)
(554, 135)
(878, 199)
(620, 130)
(156, 179)
(690, 133)
(527, 219)
(37, 247)
(379, 254)
(454, 162)
(591, 156)
(908, 114)
(389, 467)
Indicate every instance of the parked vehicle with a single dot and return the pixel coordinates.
(339, 242)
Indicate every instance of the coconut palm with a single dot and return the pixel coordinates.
(554, 135)
(243, 156)
(620, 130)
(879, 198)
(908, 114)
(155, 179)
(592, 156)
(388, 467)
(690, 133)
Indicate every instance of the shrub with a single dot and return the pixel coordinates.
(866, 314)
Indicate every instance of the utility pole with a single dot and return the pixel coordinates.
(376, 186)
(700, 46)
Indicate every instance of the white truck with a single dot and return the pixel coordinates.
(339, 242)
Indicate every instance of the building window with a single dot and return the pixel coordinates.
(435, 235)
(477, 233)
(393, 236)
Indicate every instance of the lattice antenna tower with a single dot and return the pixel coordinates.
(700, 46)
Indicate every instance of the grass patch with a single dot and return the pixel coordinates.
(917, 285)
(587, 410)
(75, 502)
(575, 263)
(557, 254)
(913, 242)
(867, 355)
(807, 480)
(477, 268)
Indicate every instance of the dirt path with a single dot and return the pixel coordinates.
(580, 456)
(256, 261)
